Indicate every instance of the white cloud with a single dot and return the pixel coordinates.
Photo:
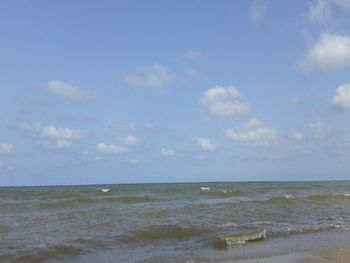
(341, 98)
(153, 77)
(171, 153)
(320, 130)
(258, 10)
(193, 55)
(65, 134)
(131, 140)
(61, 138)
(331, 52)
(206, 144)
(298, 136)
(224, 102)
(112, 149)
(6, 149)
(320, 11)
(255, 132)
(66, 90)
(31, 127)
(64, 144)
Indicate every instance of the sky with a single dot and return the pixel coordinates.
(102, 92)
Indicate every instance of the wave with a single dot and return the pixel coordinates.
(65, 203)
(47, 254)
(289, 196)
(320, 225)
(308, 229)
(222, 193)
(291, 199)
(156, 234)
(240, 239)
(86, 201)
(137, 199)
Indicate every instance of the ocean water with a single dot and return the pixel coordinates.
(189, 222)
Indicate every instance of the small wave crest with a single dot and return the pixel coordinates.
(289, 199)
(317, 227)
(313, 229)
(240, 239)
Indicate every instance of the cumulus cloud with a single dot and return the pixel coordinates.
(66, 90)
(258, 10)
(55, 137)
(31, 127)
(320, 130)
(224, 102)
(153, 77)
(131, 140)
(254, 132)
(63, 134)
(171, 153)
(64, 144)
(6, 149)
(111, 149)
(341, 98)
(298, 136)
(330, 52)
(206, 144)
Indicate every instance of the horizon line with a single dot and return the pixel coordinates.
(182, 182)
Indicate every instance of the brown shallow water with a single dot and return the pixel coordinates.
(198, 222)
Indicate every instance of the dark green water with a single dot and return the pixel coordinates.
(195, 222)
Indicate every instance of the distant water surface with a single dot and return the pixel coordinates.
(189, 222)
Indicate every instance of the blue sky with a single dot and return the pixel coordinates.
(170, 91)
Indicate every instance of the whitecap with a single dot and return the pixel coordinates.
(289, 196)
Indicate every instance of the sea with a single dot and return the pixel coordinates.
(175, 222)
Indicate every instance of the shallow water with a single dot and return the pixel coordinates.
(190, 222)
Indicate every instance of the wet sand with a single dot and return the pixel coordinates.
(335, 255)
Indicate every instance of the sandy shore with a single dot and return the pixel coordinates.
(337, 255)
